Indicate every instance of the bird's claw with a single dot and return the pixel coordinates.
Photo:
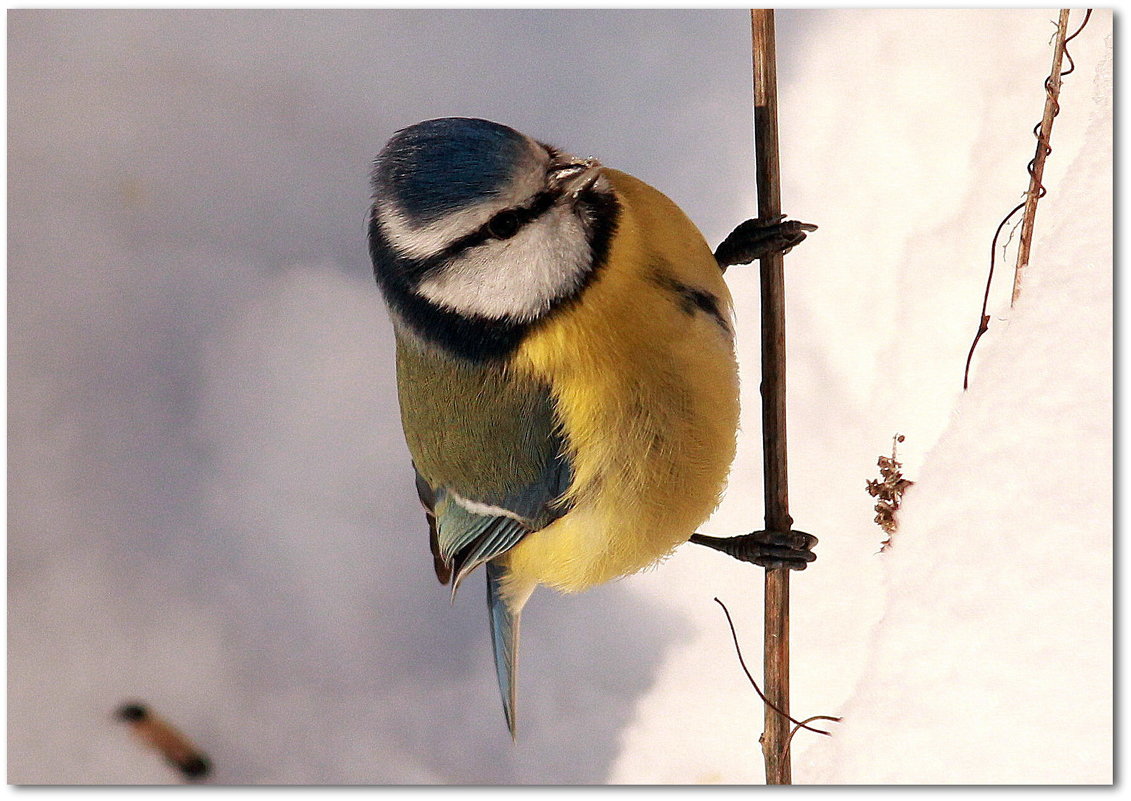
(761, 237)
(792, 550)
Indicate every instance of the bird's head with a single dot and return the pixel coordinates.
(481, 225)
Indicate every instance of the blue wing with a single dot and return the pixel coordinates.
(491, 467)
(490, 461)
(462, 539)
(466, 532)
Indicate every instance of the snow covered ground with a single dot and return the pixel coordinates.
(989, 624)
(209, 506)
(993, 661)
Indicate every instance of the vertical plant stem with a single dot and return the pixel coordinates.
(775, 737)
(1036, 188)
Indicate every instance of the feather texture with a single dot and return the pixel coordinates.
(490, 465)
(646, 387)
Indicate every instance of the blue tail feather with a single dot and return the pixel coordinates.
(504, 639)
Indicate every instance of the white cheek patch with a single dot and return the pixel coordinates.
(516, 279)
(420, 242)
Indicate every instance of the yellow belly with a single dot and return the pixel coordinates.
(646, 388)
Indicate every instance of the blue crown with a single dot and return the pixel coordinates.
(437, 166)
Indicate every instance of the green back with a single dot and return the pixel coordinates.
(479, 430)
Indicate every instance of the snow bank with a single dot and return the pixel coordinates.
(993, 661)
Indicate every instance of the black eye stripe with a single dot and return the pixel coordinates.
(523, 215)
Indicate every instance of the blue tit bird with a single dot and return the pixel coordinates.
(565, 364)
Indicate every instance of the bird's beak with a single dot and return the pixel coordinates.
(574, 177)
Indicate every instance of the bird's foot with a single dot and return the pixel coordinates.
(761, 237)
(769, 549)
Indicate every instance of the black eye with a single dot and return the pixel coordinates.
(503, 225)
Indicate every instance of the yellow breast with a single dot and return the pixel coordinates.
(646, 386)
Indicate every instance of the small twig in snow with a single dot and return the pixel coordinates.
(754, 684)
(815, 717)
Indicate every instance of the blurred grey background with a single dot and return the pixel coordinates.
(210, 504)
